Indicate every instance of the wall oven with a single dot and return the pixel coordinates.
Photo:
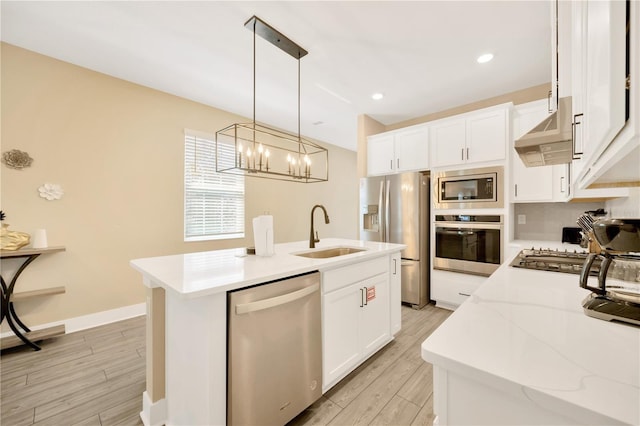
(471, 188)
(471, 244)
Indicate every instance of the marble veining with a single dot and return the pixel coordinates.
(527, 327)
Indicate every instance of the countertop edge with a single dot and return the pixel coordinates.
(433, 354)
(294, 265)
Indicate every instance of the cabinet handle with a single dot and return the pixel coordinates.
(561, 183)
(549, 100)
(361, 299)
(365, 296)
(464, 294)
(516, 185)
(398, 163)
(395, 266)
(391, 164)
(462, 154)
(467, 153)
(574, 125)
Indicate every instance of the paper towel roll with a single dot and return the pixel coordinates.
(39, 239)
(263, 235)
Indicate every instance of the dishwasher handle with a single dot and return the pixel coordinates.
(245, 308)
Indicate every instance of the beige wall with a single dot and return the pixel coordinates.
(116, 149)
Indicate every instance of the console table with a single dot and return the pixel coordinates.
(8, 297)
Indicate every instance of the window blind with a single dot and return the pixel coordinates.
(213, 202)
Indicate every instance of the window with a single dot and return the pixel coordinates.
(213, 202)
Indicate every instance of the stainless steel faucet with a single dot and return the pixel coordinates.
(313, 239)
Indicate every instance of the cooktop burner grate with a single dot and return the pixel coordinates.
(553, 260)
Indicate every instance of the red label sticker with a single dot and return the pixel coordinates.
(371, 293)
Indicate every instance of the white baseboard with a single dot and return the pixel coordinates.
(153, 413)
(94, 320)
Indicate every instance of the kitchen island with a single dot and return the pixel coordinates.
(187, 318)
(521, 350)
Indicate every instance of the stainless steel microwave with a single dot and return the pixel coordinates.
(469, 189)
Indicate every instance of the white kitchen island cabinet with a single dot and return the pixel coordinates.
(187, 318)
(520, 350)
(353, 329)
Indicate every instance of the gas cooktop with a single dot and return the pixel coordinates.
(553, 260)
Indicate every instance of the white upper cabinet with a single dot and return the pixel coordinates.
(398, 151)
(561, 56)
(546, 183)
(487, 136)
(529, 184)
(448, 141)
(380, 154)
(606, 135)
(480, 136)
(604, 110)
(412, 148)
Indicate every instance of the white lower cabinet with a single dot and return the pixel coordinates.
(356, 318)
(450, 289)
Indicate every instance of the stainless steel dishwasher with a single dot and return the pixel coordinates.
(274, 352)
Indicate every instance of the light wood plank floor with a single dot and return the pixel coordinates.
(97, 376)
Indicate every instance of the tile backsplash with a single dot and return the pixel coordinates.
(546, 220)
(628, 207)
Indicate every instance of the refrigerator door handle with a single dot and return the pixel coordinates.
(381, 213)
(387, 222)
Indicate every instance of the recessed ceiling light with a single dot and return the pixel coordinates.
(485, 58)
(377, 96)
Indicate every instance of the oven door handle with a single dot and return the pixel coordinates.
(468, 225)
(455, 232)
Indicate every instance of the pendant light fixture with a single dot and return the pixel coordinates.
(254, 149)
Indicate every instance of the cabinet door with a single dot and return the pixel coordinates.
(375, 325)
(395, 293)
(380, 154)
(529, 183)
(448, 143)
(578, 79)
(486, 136)
(605, 74)
(561, 182)
(341, 318)
(412, 149)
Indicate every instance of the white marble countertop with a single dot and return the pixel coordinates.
(525, 330)
(203, 273)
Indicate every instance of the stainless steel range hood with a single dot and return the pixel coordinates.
(551, 141)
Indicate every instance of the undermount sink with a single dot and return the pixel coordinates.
(329, 252)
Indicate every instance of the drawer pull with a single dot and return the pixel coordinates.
(464, 294)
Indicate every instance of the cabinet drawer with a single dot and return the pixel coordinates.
(341, 277)
(452, 291)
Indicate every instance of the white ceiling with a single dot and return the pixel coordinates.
(420, 54)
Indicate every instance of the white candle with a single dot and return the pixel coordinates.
(267, 153)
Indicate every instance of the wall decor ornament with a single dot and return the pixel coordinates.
(51, 191)
(12, 240)
(16, 159)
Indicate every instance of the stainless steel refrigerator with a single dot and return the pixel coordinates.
(395, 209)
